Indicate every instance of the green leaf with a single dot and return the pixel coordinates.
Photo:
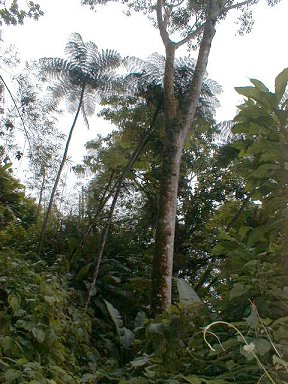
(270, 155)
(6, 343)
(193, 379)
(126, 337)
(39, 334)
(115, 315)
(243, 231)
(280, 334)
(49, 299)
(262, 346)
(263, 98)
(187, 294)
(11, 375)
(264, 170)
(218, 250)
(281, 84)
(279, 363)
(140, 320)
(14, 302)
(258, 84)
(257, 235)
(252, 320)
(87, 377)
(140, 361)
(238, 290)
(230, 364)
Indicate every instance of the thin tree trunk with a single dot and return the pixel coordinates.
(41, 190)
(118, 187)
(64, 157)
(177, 127)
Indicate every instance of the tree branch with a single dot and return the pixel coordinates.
(235, 6)
(161, 23)
(190, 36)
(18, 111)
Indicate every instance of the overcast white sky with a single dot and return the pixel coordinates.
(234, 59)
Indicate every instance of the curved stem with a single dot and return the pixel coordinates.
(229, 325)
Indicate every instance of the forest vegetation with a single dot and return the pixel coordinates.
(170, 264)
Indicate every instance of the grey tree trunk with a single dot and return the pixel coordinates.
(177, 126)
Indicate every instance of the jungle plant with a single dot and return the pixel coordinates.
(81, 80)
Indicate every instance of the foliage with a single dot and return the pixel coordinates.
(12, 15)
(256, 245)
(39, 325)
(231, 242)
(85, 76)
(14, 208)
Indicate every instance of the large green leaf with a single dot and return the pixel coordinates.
(238, 290)
(265, 99)
(115, 315)
(281, 84)
(193, 379)
(262, 346)
(126, 336)
(258, 84)
(264, 170)
(187, 294)
(39, 334)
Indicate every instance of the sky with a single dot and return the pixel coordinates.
(234, 59)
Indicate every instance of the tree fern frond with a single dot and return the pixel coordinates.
(91, 98)
(76, 49)
(109, 59)
(54, 67)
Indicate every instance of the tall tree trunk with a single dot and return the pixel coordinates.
(177, 126)
(64, 158)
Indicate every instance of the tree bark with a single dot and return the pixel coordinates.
(177, 126)
(64, 158)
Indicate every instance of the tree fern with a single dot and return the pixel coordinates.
(81, 81)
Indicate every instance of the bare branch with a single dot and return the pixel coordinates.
(18, 111)
(190, 36)
(237, 5)
(176, 5)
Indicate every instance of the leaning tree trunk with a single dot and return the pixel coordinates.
(177, 126)
(117, 188)
(64, 157)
